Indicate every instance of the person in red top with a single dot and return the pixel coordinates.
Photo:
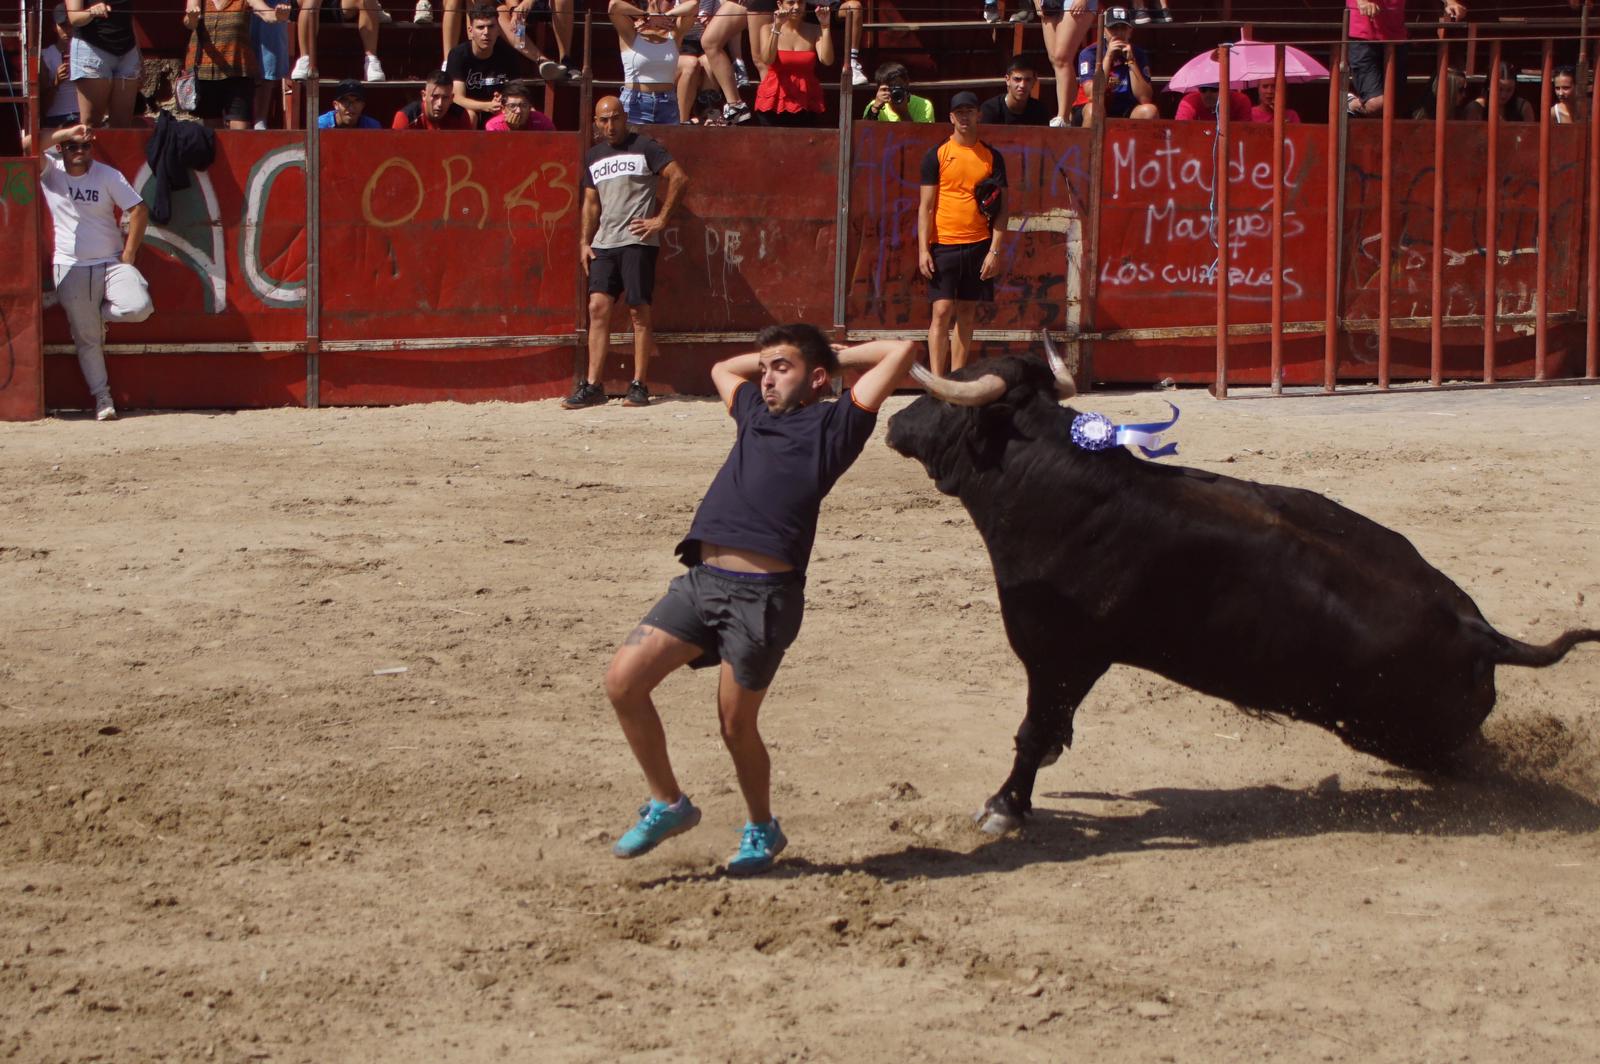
(1372, 23)
(1201, 105)
(435, 109)
(790, 93)
(517, 112)
(1267, 95)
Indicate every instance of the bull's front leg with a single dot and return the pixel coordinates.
(1053, 695)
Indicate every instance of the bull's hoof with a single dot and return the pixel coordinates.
(995, 822)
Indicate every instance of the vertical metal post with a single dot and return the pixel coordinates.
(1277, 218)
(841, 223)
(1089, 271)
(1336, 118)
(1541, 326)
(1591, 357)
(31, 44)
(1491, 216)
(1441, 104)
(1219, 178)
(313, 244)
(1386, 219)
(580, 283)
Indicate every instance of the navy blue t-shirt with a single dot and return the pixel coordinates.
(767, 495)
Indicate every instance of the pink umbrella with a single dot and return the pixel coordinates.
(1249, 64)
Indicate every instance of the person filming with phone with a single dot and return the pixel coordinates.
(895, 101)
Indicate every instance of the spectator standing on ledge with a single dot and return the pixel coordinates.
(517, 111)
(1129, 93)
(1372, 24)
(1267, 103)
(223, 61)
(104, 61)
(1201, 105)
(650, 39)
(434, 109)
(622, 222)
(59, 99)
(1563, 88)
(741, 603)
(1017, 106)
(95, 278)
(894, 101)
(349, 105)
(958, 241)
(791, 93)
(1066, 26)
(560, 21)
(705, 51)
(269, 39)
(367, 13)
(482, 65)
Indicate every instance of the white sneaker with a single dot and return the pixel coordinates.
(1024, 11)
(260, 124)
(424, 13)
(1058, 122)
(302, 69)
(374, 69)
(741, 76)
(991, 12)
(858, 77)
(105, 409)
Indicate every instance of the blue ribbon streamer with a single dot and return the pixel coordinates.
(1095, 432)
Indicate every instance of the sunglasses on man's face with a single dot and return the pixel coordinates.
(75, 145)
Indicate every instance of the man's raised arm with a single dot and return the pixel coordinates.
(885, 362)
(728, 374)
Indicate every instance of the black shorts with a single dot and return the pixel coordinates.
(1366, 69)
(761, 7)
(233, 99)
(691, 43)
(746, 619)
(630, 269)
(955, 273)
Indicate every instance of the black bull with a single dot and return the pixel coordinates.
(1274, 598)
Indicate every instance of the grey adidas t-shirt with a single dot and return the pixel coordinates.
(626, 177)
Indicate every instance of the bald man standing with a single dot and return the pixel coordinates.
(623, 217)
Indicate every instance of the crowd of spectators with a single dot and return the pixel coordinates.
(684, 61)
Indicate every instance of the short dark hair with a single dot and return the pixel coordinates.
(480, 10)
(1019, 65)
(1571, 72)
(519, 87)
(887, 72)
(441, 79)
(810, 341)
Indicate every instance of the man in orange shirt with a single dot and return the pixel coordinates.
(959, 223)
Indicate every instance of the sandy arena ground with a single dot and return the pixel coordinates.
(224, 836)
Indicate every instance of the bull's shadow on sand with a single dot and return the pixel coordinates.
(1186, 818)
(1179, 818)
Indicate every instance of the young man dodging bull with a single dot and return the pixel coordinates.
(740, 604)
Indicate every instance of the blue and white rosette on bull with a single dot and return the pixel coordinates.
(1095, 432)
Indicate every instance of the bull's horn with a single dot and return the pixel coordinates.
(1065, 389)
(986, 389)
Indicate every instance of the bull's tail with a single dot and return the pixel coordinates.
(1510, 651)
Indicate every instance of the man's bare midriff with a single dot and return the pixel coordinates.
(740, 560)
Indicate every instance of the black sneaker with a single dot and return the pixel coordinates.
(638, 394)
(991, 11)
(736, 113)
(1024, 11)
(1162, 14)
(585, 394)
(1142, 16)
(574, 71)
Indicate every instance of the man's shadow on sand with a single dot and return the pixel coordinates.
(1180, 818)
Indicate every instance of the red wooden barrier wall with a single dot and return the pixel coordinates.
(21, 374)
(448, 261)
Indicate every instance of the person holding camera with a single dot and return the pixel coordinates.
(1126, 67)
(894, 101)
(960, 221)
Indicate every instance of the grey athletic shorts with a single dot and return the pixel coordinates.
(745, 619)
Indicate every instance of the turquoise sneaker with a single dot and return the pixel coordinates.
(758, 848)
(658, 822)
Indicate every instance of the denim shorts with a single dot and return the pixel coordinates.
(650, 108)
(746, 619)
(93, 64)
(271, 42)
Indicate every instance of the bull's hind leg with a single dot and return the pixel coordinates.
(1054, 691)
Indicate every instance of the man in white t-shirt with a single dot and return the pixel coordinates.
(95, 278)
